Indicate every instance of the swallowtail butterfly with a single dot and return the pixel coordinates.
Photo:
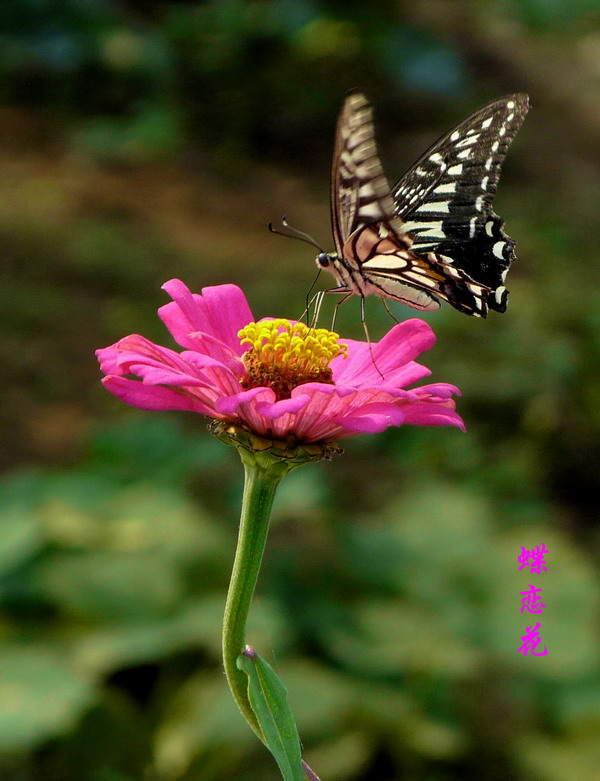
(433, 235)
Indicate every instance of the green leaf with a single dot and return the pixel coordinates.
(268, 698)
(41, 695)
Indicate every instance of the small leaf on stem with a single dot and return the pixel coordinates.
(268, 698)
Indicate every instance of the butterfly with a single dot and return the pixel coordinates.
(433, 235)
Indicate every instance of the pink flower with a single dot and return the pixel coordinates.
(265, 388)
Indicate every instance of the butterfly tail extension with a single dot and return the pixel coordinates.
(497, 254)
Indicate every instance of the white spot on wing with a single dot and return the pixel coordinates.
(476, 289)
(489, 227)
(456, 170)
(391, 262)
(393, 287)
(472, 225)
(370, 210)
(479, 202)
(499, 293)
(487, 123)
(436, 158)
(468, 140)
(442, 206)
(432, 230)
(422, 279)
(366, 190)
(497, 250)
(449, 187)
(361, 171)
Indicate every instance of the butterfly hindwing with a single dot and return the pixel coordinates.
(390, 269)
(445, 198)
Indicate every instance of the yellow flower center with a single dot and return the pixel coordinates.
(282, 356)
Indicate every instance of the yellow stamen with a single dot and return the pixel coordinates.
(282, 355)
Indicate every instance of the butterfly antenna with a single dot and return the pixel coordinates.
(296, 234)
(301, 234)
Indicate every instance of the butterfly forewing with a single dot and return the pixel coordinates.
(360, 193)
(360, 198)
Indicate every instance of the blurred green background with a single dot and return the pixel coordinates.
(146, 140)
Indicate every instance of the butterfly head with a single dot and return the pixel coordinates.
(326, 259)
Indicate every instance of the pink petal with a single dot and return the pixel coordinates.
(274, 410)
(205, 377)
(402, 344)
(231, 404)
(322, 417)
(221, 311)
(442, 390)
(157, 365)
(431, 414)
(406, 375)
(208, 345)
(153, 397)
(151, 375)
(373, 418)
(117, 358)
(214, 372)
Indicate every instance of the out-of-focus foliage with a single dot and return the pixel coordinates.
(395, 632)
(143, 140)
(244, 65)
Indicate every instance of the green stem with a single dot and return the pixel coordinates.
(259, 491)
(265, 462)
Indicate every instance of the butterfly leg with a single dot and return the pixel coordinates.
(363, 320)
(319, 297)
(318, 303)
(389, 311)
(339, 303)
(309, 302)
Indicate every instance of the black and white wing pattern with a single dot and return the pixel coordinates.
(433, 235)
(445, 199)
(372, 249)
(360, 193)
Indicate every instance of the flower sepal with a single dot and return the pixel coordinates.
(273, 454)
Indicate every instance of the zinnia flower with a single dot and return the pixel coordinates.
(276, 378)
(281, 393)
